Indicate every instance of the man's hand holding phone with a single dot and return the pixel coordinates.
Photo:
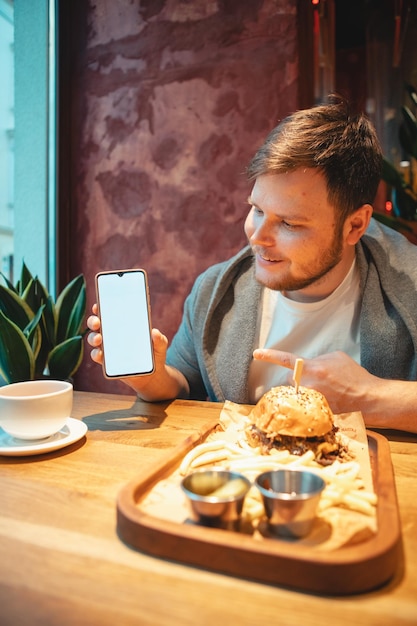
(133, 352)
(159, 341)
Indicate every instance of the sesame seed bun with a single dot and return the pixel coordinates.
(283, 411)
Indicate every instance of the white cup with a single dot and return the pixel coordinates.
(35, 409)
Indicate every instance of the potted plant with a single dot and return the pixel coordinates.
(39, 337)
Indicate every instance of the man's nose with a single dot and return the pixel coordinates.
(263, 234)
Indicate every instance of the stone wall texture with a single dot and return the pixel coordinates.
(170, 100)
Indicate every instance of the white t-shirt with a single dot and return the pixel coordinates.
(307, 329)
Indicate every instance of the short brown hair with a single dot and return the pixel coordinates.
(344, 147)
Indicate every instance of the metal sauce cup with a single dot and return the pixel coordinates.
(215, 497)
(290, 498)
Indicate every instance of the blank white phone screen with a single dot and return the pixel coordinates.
(125, 323)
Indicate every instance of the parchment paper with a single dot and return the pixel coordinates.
(334, 528)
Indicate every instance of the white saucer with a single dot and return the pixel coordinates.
(70, 433)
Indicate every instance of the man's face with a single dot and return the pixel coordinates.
(293, 232)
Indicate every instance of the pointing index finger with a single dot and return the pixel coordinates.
(279, 357)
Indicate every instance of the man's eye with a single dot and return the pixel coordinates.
(288, 225)
(257, 211)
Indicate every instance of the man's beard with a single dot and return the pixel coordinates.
(331, 257)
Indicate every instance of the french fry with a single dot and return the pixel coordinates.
(303, 459)
(208, 446)
(358, 504)
(210, 458)
(369, 496)
(253, 508)
(235, 449)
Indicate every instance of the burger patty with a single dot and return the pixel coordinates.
(326, 449)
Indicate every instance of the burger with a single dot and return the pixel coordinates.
(297, 420)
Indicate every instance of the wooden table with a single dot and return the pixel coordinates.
(62, 562)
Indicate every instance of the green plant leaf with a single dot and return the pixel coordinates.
(33, 332)
(66, 357)
(25, 278)
(35, 294)
(50, 320)
(8, 283)
(47, 326)
(13, 307)
(70, 308)
(17, 361)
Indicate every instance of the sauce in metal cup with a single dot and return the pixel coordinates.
(215, 497)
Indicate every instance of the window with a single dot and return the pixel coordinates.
(6, 138)
(27, 139)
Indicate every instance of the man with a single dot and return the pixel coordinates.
(319, 280)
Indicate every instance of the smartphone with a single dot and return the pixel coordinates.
(124, 310)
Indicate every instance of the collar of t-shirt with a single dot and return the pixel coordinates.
(307, 329)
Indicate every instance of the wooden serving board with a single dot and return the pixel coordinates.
(348, 570)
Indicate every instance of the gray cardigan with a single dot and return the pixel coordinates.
(214, 344)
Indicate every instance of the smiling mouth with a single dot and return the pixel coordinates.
(265, 259)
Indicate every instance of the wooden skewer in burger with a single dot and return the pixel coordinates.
(296, 419)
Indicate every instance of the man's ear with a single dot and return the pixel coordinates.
(357, 223)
